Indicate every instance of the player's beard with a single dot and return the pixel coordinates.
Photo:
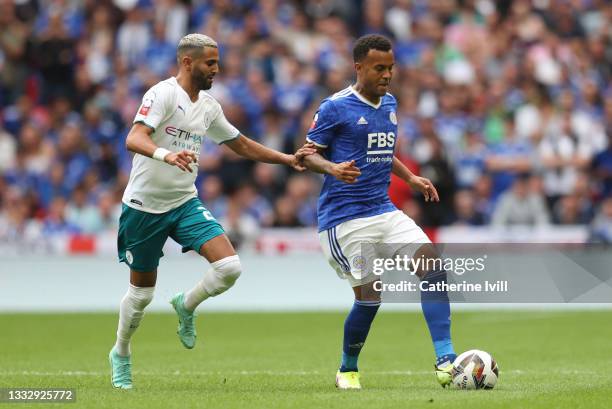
(200, 80)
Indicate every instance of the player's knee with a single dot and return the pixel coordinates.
(367, 292)
(223, 275)
(229, 269)
(140, 297)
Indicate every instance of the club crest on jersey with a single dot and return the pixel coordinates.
(146, 106)
(314, 121)
(359, 263)
(393, 118)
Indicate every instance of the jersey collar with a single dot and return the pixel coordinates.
(175, 82)
(365, 100)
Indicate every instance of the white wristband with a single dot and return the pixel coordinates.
(160, 154)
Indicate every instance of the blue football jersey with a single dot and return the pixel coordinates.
(352, 128)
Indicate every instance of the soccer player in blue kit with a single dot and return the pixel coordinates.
(354, 132)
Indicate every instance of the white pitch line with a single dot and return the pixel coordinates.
(199, 373)
(271, 373)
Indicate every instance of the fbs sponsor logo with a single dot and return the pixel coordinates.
(380, 142)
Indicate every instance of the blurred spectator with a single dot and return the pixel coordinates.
(160, 54)
(133, 37)
(52, 184)
(8, 150)
(71, 151)
(211, 193)
(109, 211)
(13, 49)
(253, 204)
(55, 222)
(602, 168)
(470, 162)
(240, 227)
(15, 222)
(466, 212)
(601, 228)
(82, 214)
(508, 158)
(483, 197)
(435, 166)
(285, 213)
(413, 210)
(521, 206)
(38, 153)
(570, 210)
(563, 155)
(301, 189)
(56, 55)
(175, 16)
(269, 180)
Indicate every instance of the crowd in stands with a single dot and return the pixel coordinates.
(505, 105)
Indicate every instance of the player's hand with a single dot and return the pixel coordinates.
(425, 186)
(300, 154)
(346, 172)
(181, 160)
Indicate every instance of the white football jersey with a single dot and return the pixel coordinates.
(178, 124)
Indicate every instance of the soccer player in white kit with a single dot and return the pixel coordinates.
(161, 201)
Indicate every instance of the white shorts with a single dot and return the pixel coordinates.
(342, 244)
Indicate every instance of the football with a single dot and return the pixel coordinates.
(475, 369)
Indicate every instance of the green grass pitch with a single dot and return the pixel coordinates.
(289, 360)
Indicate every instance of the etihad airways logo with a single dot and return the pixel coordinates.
(183, 139)
(182, 134)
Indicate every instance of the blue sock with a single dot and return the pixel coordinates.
(436, 309)
(356, 328)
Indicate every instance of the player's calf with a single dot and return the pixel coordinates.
(131, 311)
(436, 309)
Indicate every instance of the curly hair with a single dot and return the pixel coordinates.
(370, 42)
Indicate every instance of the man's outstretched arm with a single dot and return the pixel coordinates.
(250, 149)
(418, 183)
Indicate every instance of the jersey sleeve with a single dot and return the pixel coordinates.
(220, 130)
(154, 106)
(324, 125)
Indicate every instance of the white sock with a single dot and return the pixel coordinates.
(195, 296)
(131, 311)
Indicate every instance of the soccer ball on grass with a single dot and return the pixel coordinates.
(475, 369)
